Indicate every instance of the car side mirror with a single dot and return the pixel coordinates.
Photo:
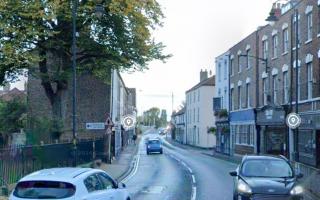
(233, 173)
(299, 175)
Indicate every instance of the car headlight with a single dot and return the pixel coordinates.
(243, 187)
(297, 190)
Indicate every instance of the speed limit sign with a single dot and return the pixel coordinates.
(293, 120)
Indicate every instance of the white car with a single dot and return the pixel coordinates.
(69, 184)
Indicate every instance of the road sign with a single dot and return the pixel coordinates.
(109, 122)
(128, 121)
(109, 130)
(293, 120)
(95, 126)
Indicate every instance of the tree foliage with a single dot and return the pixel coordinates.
(37, 35)
(12, 116)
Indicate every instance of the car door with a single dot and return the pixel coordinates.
(110, 187)
(96, 189)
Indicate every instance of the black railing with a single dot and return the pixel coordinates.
(19, 161)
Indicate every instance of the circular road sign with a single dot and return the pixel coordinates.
(128, 121)
(293, 120)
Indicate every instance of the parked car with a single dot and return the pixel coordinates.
(266, 177)
(69, 183)
(154, 145)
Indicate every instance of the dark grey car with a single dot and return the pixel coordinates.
(266, 177)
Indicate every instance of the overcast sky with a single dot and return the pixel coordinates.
(195, 32)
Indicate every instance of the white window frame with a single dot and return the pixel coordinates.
(310, 80)
(231, 66)
(275, 88)
(248, 95)
(275, 46)
(285, 40)
(309, 26)
(285, 87)
(225, 69)
(239, 97)
(265, 91)
(219, 72)
(248, 59)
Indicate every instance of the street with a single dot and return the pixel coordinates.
(179, 174)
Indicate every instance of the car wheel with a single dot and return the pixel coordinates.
(148, 153)
(161, 152)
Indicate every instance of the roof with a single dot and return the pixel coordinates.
(12, 94)
(208, 82)
(66, 174)
(263, 157)
(180, 112)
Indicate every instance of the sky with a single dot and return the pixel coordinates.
(195, 32)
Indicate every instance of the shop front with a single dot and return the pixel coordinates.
(309, 139)
(223, 137)
(272, 130)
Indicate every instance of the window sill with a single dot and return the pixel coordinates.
(308, 41)
(318, 35)
(274, 58)
(248, 68)
(284, 53)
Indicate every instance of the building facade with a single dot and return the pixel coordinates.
(179, 123)
(243, 95)
(199, 114)
(221, 103)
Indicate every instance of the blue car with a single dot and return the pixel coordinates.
(154, 146)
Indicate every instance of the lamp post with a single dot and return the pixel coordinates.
(99, 11)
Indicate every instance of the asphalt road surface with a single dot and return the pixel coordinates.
(179, 174)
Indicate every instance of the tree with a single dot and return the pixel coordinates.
(163, 117)
(37, 35)
(12, 115)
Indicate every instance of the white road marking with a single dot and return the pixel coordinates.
(126, 179)
(190, 170)
(194, 193)
(193, 179)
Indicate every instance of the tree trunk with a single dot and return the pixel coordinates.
(54, 90)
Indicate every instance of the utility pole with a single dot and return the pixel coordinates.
(296, 135)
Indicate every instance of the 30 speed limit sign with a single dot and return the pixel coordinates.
(293, 120)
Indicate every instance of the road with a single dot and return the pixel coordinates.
(179, 174)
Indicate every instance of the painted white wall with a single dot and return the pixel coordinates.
(200, 98)
(222, 79)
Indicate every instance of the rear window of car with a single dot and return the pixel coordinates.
(154, 142)
(44, 190)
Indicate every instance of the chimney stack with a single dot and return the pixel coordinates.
(203, 75)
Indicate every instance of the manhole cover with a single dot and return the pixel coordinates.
(153, 190)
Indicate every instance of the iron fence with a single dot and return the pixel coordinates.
(17, 162)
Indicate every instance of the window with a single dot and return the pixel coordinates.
(92, 183)
(285, 87)
(296, 29)
(275, 89)
(248, 95)
(239, 97)
(275, 45)
(239, 65)
(248, 59)
(198, 116)
(107, 182)
(285, 40)
(245, 134)
(225, 70)
(309, 26)
(225, 97)
(232, 99)
(265, 92)
(310, 80)
(194, 96)
(231, 67)
(265, 49)
(219, 92)
(219, 71)
(194, 115)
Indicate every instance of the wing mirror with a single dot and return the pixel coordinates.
(123, 185)
(233, 173)
(299, 175)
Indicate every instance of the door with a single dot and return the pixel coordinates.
(96, 189)
(110, 187)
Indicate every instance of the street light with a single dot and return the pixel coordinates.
(99, 11)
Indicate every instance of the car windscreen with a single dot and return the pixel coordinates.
(266, 168)
(44, 190)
